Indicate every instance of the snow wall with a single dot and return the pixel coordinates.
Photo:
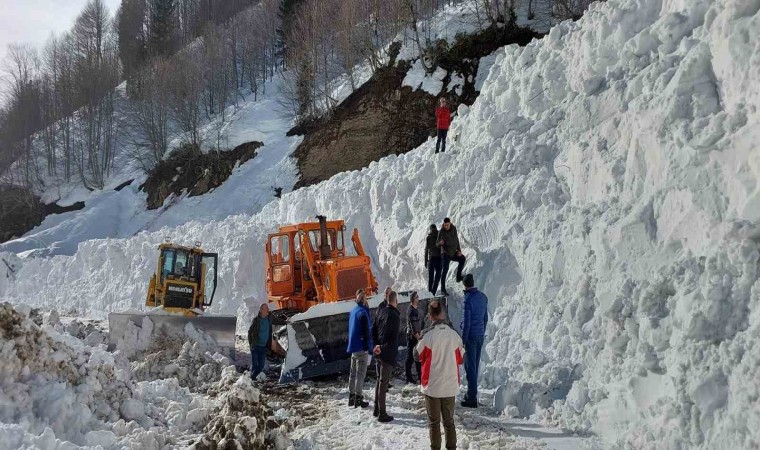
(606, 189)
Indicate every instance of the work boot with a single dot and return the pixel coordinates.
(351, 400)
(469, 403)
(384, 418)
(359, 401)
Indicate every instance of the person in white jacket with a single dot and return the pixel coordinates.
(440, 352)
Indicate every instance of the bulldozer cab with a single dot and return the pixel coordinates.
(184, 284)
(309, 263)
(186, 279)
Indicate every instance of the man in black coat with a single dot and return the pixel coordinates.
(385, 335)
(413, 334)
(433, 259)
(448, 241)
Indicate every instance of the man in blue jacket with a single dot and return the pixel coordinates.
(473, 334)
(359, 346)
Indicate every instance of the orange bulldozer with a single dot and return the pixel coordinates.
(312, 276)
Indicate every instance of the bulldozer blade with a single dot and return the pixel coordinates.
(219, 328)
(317, 339)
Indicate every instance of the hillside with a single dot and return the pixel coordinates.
(605, 184)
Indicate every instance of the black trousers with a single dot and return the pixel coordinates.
(434, 273)
(441, 142)
(411, 342)
(445, 268)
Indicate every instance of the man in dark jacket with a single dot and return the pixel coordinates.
(385, 336)
(413, 333)
(448, 241)
(260, 339)
(473, 333)
(433, 259)
(359, 346)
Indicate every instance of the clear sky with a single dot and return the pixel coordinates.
(32, 21)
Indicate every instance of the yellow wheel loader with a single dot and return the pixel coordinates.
(181, 290)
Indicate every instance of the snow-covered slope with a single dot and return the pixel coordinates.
(606, 189)
(119, 214)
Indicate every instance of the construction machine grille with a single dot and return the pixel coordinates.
(351, 280)
(179, 296)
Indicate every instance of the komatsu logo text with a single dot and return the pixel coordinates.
(180, 289)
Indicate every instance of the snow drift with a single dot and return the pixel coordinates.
(60, 388)
(606, 188)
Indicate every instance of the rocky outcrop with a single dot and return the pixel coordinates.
(188, 170)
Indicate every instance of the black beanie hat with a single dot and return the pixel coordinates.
(469, 281)
(433, 227)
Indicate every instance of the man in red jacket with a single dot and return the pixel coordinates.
(443, 120)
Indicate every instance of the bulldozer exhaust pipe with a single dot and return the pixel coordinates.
(324, 246)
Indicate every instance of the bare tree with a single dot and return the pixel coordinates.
(97, 72)
(148, 115)
(569, 9)
(22, 71)
(186, 98)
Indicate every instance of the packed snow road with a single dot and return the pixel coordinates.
(328, 423)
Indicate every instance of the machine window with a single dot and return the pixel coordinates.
(335, 242)
(297, 245)
(279, 247)
(181, 268)
(168, 263)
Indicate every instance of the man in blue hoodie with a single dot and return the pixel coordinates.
(473, 333)
(359, 346)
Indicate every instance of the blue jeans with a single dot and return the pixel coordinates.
(258, 360)
(471, 365)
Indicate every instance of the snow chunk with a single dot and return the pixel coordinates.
(418, 78)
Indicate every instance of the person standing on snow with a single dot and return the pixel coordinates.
(473, 333)
(260, 339)
(385, 336)
(433, 259)
(440, 352)
(413, 334)
(380, 307)
(359, 346)
(448, 241)
(443, 121)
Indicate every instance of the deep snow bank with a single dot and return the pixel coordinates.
(60, 388)
(605, 185)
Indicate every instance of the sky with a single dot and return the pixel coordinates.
(33, 21)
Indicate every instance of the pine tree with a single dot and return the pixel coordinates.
(162, 27)
(132, 45)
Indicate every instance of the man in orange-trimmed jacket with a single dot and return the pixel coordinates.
(440, 352)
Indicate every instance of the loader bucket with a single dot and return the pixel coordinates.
(316, 340)
(220, 328)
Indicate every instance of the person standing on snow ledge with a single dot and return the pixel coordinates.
(473, 334)
(443, 121)
(433, 259)
(260, 339)
(359, 346)
(448, 241)
(440, 352)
